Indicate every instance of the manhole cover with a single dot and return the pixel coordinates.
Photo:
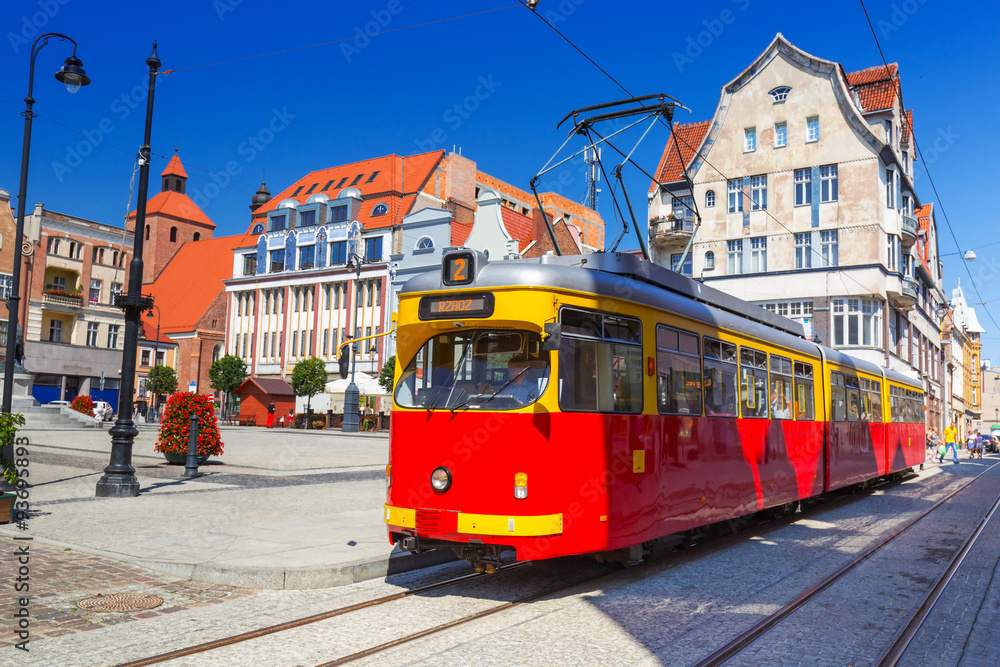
(120, 602)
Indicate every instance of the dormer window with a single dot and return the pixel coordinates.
(277, 223)
(258, 229)
(380, 209)
(780, 93)
(338, 213)
(307, 218)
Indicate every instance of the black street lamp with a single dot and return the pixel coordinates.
(119, 479)
(151, 411)
(72, 76)
(356, 259)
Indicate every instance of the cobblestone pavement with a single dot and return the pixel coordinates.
(60, 578)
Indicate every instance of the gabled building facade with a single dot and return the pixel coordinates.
(803, 180)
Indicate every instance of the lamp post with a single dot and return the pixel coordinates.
(119, 479)
(72, 76)
(352, 395)
(151, 412)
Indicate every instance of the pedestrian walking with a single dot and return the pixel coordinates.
(950, 435)
(270, 415)
(932, 442)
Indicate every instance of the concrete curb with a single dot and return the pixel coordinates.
(278, 578)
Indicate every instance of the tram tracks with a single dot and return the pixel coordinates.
(904, 637)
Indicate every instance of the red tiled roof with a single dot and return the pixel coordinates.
(689, 138)
(174, 168)
(908, 127)
(191, 281)
(876, 87)
(175, 205)
(385, 188)
(518, 226)
(274, 387)
(149, 330)
(459, 232)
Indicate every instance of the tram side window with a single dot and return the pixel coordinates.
(781, 388)
(865, 396)
(805, 409)
(893, 405)
(753, 382)
(600, 362)
(853, 399)
(875, 398)
(678, 372)
(838, 398)
(720, 378)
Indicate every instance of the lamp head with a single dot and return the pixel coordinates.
(72, 75)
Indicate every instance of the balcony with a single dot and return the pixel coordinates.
(903, 292)
(910, 229)
(57, 297)
(667, 231)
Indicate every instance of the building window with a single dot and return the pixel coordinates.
(803, 187)
(55, 331)
(780, 93)
(828, 247)
(92, 329)
(160, 356)
(147, 232)
(277, 223)
(709, 261)
(95, 290)
(857, 322)
(6, 286)
(425, 244)
(373, 249)
(888, 131)
(803, 251)
(380, 209)
(683, 210)
(780, 135)
(710, 199)
(295, 343)
(59, 282)
(98, 256)
(338, 214)
(758, 254)
(676, 266)
(812, 129)
(735, 197)
(891, 252)
(52, 247)
(144, 357)
(307, 218)
(250, 264)
(307, 256)
(263, 349)
(196, 237)
(305, 350)
(749, 139)
(277, 260)
(113, 337)
(758, 192)
(116, 289)
(258, 229)
(173, 234)
(890, 190)
(338, 252)
(734, 257)
(799, 311)
(359, 289)
(828, 182)
(336, 297)
(377, 283)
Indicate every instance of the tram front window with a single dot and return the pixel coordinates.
(475, 370)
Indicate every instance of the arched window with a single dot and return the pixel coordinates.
(147, 232)
(780, 93)
(258, 228)
(380, 209)
(217, 352)
(710, 199)
(197, 236)
(426, 243)
(709, 260)
(173, 234)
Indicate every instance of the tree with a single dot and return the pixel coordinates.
(227, 373)
(309, 379)
(388, 374)
(162, 380)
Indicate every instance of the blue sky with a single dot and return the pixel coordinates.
(389, 92)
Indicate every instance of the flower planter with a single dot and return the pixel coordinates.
(7, 507)
(181, 459)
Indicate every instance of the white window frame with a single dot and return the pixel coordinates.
(6, 285)
(758, 193)
(113, 331)
(749, 139)
(828, 247)
(93, 331)
(710, 261)
(758, 254)
(890, 188)
(803, 250)
(710, 199)
(829, 189)
(55, 331)
(857, 322)
(780, 135)
(803, 187)
(812, 129)
(734, 257)
(735, 196)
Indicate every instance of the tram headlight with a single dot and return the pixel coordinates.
(441, 479)
(520, 486)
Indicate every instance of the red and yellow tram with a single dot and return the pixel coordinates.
(574, 405)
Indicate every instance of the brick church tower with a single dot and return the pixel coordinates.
(172, 219)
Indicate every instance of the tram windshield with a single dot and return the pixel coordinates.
(475, 370)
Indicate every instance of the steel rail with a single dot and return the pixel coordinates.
(288, 625)
(741, 642)
(905, 635)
